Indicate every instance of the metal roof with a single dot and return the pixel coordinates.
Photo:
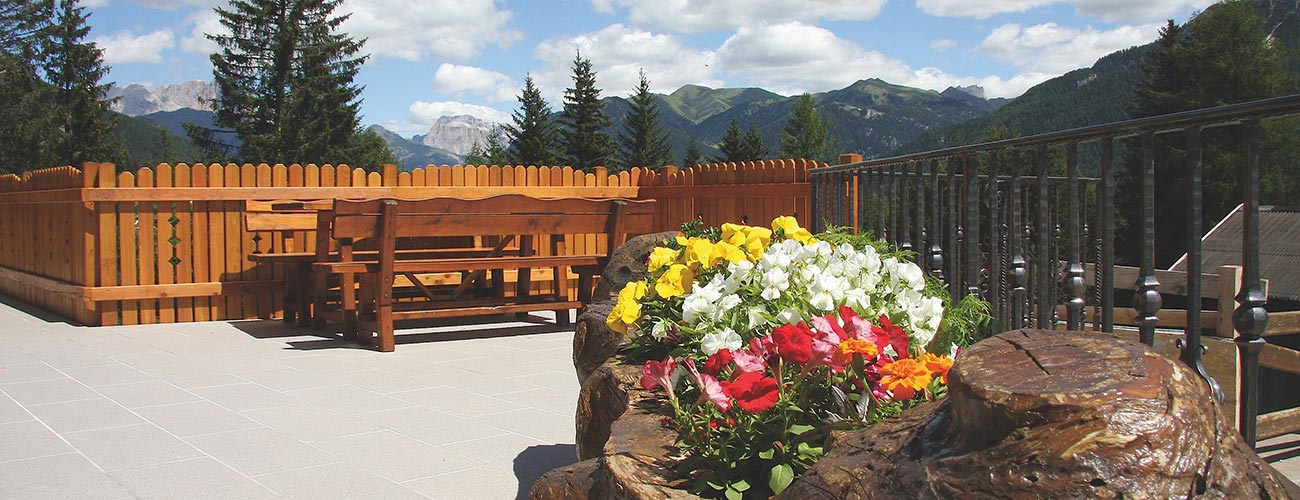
(1279, 249)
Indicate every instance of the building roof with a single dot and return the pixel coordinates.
(1279, 249)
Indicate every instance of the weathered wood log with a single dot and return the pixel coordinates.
(1039, 414)
(627, 263)
(593, 341)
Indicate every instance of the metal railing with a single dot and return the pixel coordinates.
(1020, 221)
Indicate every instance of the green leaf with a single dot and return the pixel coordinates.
(741, 485)
(715, 486)
(798, 429)
(782, 476)
(767, 454)
(733, 494)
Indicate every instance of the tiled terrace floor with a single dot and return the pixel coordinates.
(260, 409)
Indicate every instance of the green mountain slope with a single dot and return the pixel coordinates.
(148, 144)
(412, 155)
(696, 104)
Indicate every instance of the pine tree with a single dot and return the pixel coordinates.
(644, 141)
(494, 152)
(476, 156)
(693, 154)
(754, 149)
(583, 121)
(84, 125)
(284, 76)
(533, 136)
(740, 146)
(807, 133)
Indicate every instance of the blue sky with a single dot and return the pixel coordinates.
(430, 58)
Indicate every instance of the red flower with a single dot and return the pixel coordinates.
(891, 335)
(754, 392)
(794, 342)
(658, 373)
(718, 361)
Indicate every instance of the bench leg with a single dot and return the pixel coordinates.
(365, 309)
(302, 286)
(290, 303)
(348, 305)
(562, 317)
(319, 290)
(384, 311)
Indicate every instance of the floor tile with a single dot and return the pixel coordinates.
(488, 481)
(11, 411)
(500, 449)
(196, 479)
(532, 422)
(28, 372)
(76, 359)
(433, 426)
(338, 482)
(116, 373)
(58, 477)
(243, 397)
(260, 451)
(308, 422)
(380, 381)
(195, 418)
(48, 391)
(286, 379)
(397, 457)
(29, 439)
(350, 399)
(84, 415)
(553, 400)
(122, 448)
(147, 393)
(457, 402)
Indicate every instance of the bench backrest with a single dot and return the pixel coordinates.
(270, 215)
(510, 214)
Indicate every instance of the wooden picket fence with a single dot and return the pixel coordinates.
(168, 244)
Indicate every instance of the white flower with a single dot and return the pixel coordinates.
(790, 316)
(660, 329)
(822, 301)
(727, 303)
(717, 341)
(757, 318)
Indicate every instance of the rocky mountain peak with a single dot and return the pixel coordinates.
(136, 99)
(457, 133)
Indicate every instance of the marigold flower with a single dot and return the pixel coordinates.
(662, 257)
(675, 282)
(937, 364)
(845, 351)
(905, 377)
(754, 392)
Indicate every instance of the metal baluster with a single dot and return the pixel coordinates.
(1019, 275)
(972, 226)
(1250, 318)
(993, 292)
(814, 203)
(904, 230)
(954, 231)
(918, 230)
(865, 203)
(1106, 271)
(1043, 268)
(936, 214)
(1146, 299)
(1192, 348)
(1073, 276)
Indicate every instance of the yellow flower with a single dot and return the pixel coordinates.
(725, 251)
(698, 251)
(734, 233)
(627, 310)
(662, 257)
(675, 282)
(792, 229)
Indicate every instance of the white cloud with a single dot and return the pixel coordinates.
(943, 44)
(205, 22)
(423, 114)
(618, 53)
(459, 80)
(126, 47)
(1052, 48)
(1106, 10)
(415, 30)
(689, 16)
(173, 4)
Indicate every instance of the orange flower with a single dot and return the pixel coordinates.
(847, 348)
(938, 365)
(905, 377)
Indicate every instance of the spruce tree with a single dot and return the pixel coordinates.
(83, 124)
(284, 76)
(754, 149)
(533, 136)
(693, 155)
(807, 133)
(583, 121)
(733, 144)
(644, 141)
(494, 152)
(475, 156)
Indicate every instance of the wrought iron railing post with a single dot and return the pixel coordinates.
(993, 292)
(904, 229)
(1193, 347)
(1045, 300)
(954, 231)
(1019, 273)
(1250, 318)
(972, 226)
(1146, 299)
(936, 215)
(1107, 216)
(1073, 275)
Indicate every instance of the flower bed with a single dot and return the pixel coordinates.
(764, 340)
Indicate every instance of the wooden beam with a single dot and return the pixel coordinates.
(787, 190)
(209, 289)
(1280, 358)
(1283, 323)
(1277, 423)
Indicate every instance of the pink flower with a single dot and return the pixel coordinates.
(710, 388)
(748, 362)
(659, 373)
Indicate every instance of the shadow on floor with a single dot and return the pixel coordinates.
(1279, 451)
(409, 332)
(35, 312)
(534, 461)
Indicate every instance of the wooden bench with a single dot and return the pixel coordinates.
(511, 218)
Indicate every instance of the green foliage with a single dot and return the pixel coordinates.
(533, 137)
(52, 106)
(740, 146)
(491, 154)
(806, 133)
(693, 156)
(368, 151)
(644, 141)
(284, 76)
(583, 121)
(148, 144)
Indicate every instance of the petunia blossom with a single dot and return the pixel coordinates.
(659, 374)
(754, 392)
(793, 342)
(710, 388)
